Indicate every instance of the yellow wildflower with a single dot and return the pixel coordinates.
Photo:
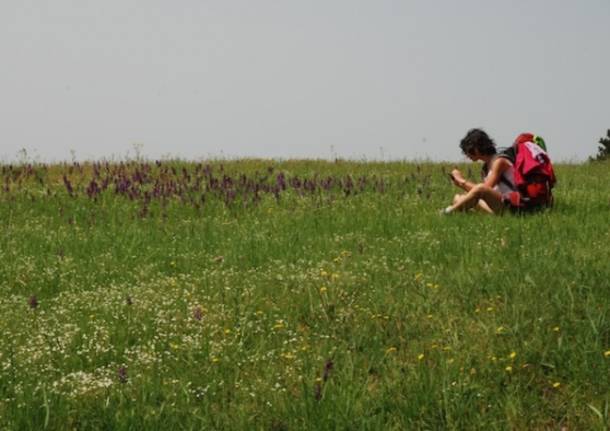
(509, 369)
(323, 289)
(421, 356)
(556, 385)
(390, 350)
(607, 353)
(512, 355)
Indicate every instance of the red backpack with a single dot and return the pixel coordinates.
(533, 174)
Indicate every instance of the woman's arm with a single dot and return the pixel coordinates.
(460, 181)
(498, 167)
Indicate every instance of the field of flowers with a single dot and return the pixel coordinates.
(259, 294)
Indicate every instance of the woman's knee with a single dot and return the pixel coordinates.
(480, 189)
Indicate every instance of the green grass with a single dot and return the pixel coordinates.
(331, 309)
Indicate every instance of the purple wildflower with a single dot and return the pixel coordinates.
(122, 374)
(317, 392)
(33, 302)
(327, 368)
(68, 185)
(197, 313)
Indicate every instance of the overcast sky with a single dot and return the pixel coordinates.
(299, 79)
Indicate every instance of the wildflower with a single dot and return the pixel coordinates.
(323, 273)
(215, 360)
(390, 350)
(33, 302)
(607, 353)
(512, 355)
(327, 368)
(509, 369)
(420, 357)
(227, 331)
(556, 385)
(122, 374)
(323, 289)
(317, 394)
(500, 330)
(279, 324)
(556, 329)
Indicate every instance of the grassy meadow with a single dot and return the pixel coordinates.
(259, 294)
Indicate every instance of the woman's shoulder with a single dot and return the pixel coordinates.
(501, 164)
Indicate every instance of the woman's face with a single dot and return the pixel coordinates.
(474, 155)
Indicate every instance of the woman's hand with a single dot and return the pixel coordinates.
(457, 178)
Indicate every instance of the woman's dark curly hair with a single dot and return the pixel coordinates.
(477, 139)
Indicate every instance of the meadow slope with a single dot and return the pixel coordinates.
(259, 294)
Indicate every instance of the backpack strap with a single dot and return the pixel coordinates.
(509, 153)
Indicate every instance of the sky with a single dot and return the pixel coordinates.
(365, 80)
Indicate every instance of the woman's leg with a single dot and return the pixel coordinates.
(490, 198)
